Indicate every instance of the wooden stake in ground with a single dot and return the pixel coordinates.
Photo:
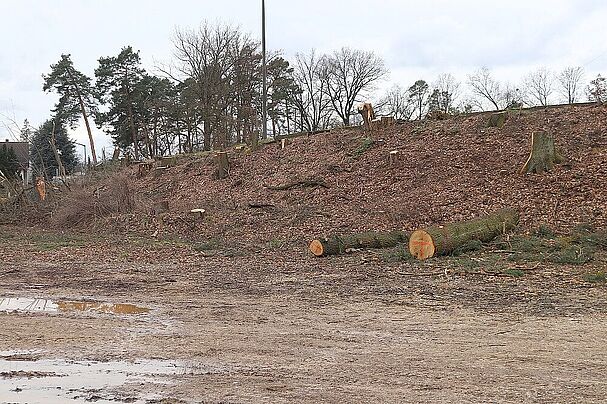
(442, 240)
(543, 155)
(223, 165)
(336, 245)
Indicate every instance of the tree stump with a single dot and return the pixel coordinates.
(543, 155)
(442, 240)
(160, 207)
(336, 245)
(393, 157)
(197, 214)
(168, 162)
(143, 169)
(223, 165)
(367, 113)
(498, 120)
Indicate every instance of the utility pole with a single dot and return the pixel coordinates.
(264, 72)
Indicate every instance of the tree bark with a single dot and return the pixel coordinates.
(543, 155)
(336, 245)
(85, 117)
(442, 240)
(223, 165)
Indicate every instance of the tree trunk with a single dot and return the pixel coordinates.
(442, 240)
(543, 155)
(223, 165)
(206, 135)
(335, 245)
(60, 166)
(85, 117)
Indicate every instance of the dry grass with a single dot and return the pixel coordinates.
(84, 205)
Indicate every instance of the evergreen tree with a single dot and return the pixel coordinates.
(597, 90)
(9, 165)
(26, 132)
(119, 86)
(154, 100)
(440, 101)
(76, 96)
(418, 93)
(281, 89)
(42, 155)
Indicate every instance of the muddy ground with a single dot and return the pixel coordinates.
(268, 323)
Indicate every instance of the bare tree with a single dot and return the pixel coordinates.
(212, 58)
(485, 87)
(312, 100)
(448, 89)
(512, 97)
(569, 80)
(539, 86)
(397, 103)
(350, 74)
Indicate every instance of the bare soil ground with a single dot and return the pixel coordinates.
(245, 314)
(358, 328)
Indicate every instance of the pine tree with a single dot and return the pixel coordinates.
(76, 96)
(597, 90)
(9, 165)
(118, 86)
(418, 93)
(42, 155)
(281, 88)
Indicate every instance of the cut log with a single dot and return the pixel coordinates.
(543, 155)
(336, 245)
(442, 240)
(223, 165)
(498, 120)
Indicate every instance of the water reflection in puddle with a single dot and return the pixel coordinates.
(61, 381)
(25, 305)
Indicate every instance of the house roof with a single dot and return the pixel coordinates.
(21, 150)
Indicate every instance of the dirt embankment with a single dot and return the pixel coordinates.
(444, 171)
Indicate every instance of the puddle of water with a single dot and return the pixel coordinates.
(60, 381)
(24, 305)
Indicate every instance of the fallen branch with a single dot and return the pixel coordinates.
(260, 205)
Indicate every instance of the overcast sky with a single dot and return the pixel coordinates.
(417, 39)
